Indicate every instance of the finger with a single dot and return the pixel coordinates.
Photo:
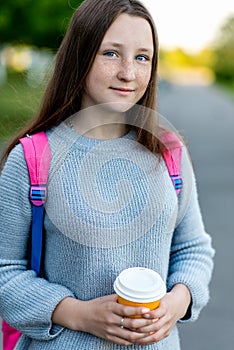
(127, 324)
(128, 311)
(158, 324)
(154, 337)
(123, 335)
(157, 313)
(110, 297)
(138, 324)
(157, 333)
(150, 328)
(131, 323)
(131, 336)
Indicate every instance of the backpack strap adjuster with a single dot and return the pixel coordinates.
(38, 194)
(177, 182)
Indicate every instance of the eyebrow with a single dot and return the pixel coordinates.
(118, 45)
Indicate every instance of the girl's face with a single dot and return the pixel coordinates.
(122, 67)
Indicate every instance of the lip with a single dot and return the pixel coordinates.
(121, 90)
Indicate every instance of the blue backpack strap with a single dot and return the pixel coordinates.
(37, 155)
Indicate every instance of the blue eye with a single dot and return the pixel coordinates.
(142, 58)
(110, 54)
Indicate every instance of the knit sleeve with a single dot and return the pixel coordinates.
(26, 301)
(191, 259)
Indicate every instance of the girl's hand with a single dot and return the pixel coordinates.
(103, 317)
(173, 307)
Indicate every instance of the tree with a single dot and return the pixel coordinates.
(41, 23)
(224, 52)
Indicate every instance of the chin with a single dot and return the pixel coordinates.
(117, 107)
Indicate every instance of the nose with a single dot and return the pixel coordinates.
(126, 70)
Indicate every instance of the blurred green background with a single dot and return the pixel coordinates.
(31, 31)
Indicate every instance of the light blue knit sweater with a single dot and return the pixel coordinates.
(111, 205)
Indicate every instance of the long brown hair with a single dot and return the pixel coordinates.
(74, 59)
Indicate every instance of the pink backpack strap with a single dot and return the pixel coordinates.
(37, 155)
(10, 336)
(173, 158)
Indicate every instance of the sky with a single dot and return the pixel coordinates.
(191, 25)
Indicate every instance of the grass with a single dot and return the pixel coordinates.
(18, 102)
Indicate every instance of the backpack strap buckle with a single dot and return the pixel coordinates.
(38, 194)
(177, 182)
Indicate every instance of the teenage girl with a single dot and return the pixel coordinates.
(111, 203)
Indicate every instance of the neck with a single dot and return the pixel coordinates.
(100, 126)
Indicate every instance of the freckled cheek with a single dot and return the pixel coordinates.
(106, 72)
(100, 73)
(143, 79)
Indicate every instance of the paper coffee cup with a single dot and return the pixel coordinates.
(139, 286)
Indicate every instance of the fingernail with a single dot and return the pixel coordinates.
(144, 310)
(146, 315)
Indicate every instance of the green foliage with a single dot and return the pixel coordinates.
(41, 23)
(224, 52)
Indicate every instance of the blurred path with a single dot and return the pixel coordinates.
(205, 116)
